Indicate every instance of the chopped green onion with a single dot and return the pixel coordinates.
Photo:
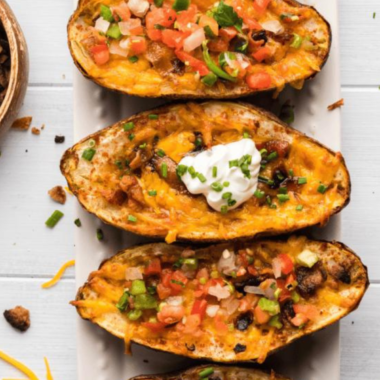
(283, 190)
(302, 180)
(142, 146)
(198, 141)
(201, 177)
(275, 322)
(78, 223)
(231, 202)
(88, 154)
(54, 218)
(114, 31)
(203, 280)
(128, 126)
(272, 307)
(209, 79)
(181, 5)
(119, 164)
(263, 152)
(131, 136)
(259, 194)
(138, 287)
(161, 153)
(191, 263)
(180, 283)
(164, 170)
(214, 171)
(206, 372)
(322, 188)
(99, 234)
(152, 193)
(227, 196)
(153, 117)
(299, 208)
(217, 186)
(145, 302)
(224, 209)
(133, 59)
(297, 41)
(283, 197)
(272, 156)
(158, 3)
(159, 27)
(192, 172)
(92, 143)
(295, 296)
(134, 315)
(246, 135)
(152, 289)
(226, 184)
(291, 172)
(209, 33)
(123, 302)
(374, 15)
(132, 218)
(181, 170)
(234, 163)
(106, 13)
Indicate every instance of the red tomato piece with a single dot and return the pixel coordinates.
(163, 291)
(285, 294)
(154, 34)
(309, 311)
(228, 33)
(196, 64)
(121, 12)
(220, 324)
(155, 327)
(153, 267)
(192, 324)
(100, 54)
(261, 317)
(261, 5)
(199, 307)
(287, 265)
(165, 277)
(259, 81)
(173, 38)
(299, 320)
(262, 54)
(187, 17)
(160, 16)
(178, 281)
(218, 45)
(138, 44)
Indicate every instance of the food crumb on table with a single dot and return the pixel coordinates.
(58, 194)
(338, 104)
(22, 123)
(36, 131)
(19, 318)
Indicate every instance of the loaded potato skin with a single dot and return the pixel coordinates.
(198, 49)
(226, 303)
(129, 175)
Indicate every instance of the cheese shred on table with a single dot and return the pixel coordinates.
(21, 367)
(59, 274)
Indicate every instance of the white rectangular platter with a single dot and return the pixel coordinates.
(100, 356)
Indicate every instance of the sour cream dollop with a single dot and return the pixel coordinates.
(233, 181)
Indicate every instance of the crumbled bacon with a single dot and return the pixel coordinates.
(338, 104)
(58, 194)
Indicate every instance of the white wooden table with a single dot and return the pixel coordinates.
(30, 253)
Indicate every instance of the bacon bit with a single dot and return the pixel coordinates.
(338, 104)
(58, 194)
(36, 131)
(19, 318)
(58, 276)
(23, 123)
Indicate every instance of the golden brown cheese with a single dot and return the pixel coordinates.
(336, 296)
(287, 66)
(116, 192)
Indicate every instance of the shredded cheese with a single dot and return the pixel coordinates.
(59, 274)
(49, 376)
(21, 367)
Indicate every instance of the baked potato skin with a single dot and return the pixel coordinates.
(225, 122)
(223, 373)
(334, 300)
(152, 85)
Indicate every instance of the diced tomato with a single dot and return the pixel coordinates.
(228, 33)
(285, 294)
(100, 54)
(262, 54)
(121, 12)
(192, 324)
(309, 311)
(252, 23)
(160, 16)
(252, 270)
(187, 17)
(165, 277)
(299, 320)
(287, 265)
(261, 316)
(177, 281)
(173, 38)
(155, 327)
(248, 302)
(220, 324)
(196, 64)
(136, 31)
(154, 34)
(163, 291)
(218, 45)
(170, 314)
(261, 5)
(259, 81)
(199, 307)
(209, 21)
(153, 267)
(138, 44)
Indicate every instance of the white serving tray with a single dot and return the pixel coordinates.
(100, 356)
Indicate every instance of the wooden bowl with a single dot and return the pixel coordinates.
(18, 80)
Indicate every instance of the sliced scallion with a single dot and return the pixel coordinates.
(164, 170)
(88, 154)
(54, 218)
(132, 218)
